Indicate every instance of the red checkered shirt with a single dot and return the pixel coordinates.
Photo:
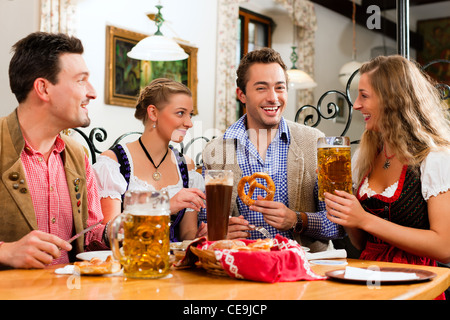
(51, 199)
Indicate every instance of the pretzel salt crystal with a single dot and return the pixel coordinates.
(247, 198)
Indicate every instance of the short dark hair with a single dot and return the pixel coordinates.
(264, 55)
(36, 56)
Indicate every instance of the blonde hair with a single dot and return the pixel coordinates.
(158, 93)
(413, 119)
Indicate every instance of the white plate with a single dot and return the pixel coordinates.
(306, 249)
(88, 255)
(329, 262)
(419, 275)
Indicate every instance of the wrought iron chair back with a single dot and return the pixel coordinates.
(99, 135)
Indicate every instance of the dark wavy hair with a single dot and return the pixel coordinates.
(37, 56)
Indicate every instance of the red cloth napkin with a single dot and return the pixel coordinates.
(285, 262)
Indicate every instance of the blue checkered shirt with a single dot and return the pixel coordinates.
(275, 164)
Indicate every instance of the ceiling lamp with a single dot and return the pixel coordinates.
(298, 79)
(157, 47)
(350, 67)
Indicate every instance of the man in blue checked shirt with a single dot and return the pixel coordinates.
(263, 141)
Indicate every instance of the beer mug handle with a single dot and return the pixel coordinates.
(116, 236)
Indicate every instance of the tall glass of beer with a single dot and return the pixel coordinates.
(219, 186)
(335, 165)
(144, 229)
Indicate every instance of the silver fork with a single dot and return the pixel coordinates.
(262, 230)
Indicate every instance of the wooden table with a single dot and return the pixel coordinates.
(196, 284)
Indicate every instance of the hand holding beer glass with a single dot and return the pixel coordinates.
(145, 223)
(219, 186)
(334, 161)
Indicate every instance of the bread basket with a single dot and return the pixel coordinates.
(265, 260)
(208, 261)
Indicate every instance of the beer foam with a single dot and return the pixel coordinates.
(223, 177)
(144, 210)
(333, 142)
(327, 146)
(223, 181)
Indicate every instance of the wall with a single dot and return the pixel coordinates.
(184, 19)
(334, 46)
(13, 29)
(195, 21)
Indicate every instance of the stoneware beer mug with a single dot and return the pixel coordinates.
(144, 228)
(219, 186)
(335, 165)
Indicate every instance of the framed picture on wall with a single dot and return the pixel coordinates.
(436, 45)
(125, 76)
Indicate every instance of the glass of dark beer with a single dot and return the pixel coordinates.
(219, 186)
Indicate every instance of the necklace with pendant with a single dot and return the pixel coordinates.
(387, 163)
(156, 175)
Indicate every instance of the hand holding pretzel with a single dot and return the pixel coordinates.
(247, 198)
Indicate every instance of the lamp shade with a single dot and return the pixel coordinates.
(157, 48)
(346, 72)
(299, 79)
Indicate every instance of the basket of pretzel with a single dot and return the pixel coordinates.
(207, 253)
(267, 260)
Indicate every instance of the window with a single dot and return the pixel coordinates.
(254, 32)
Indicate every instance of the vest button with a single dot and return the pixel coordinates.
(14, 176)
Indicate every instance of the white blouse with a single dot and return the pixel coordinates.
(111, 182)
(434, 176)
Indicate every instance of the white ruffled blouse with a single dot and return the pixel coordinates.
(434, 176)
(111, 183)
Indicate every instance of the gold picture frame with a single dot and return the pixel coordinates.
(124, 77)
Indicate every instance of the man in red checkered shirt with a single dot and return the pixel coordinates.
(48, 190)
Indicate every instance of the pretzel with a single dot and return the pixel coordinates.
(258, 245)
(247, 198)
(226, 244)
(98, 266)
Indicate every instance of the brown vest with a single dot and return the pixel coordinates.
(17, 216)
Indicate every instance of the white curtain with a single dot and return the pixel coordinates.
(306, 22)
(225, 99)
(58, 16)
